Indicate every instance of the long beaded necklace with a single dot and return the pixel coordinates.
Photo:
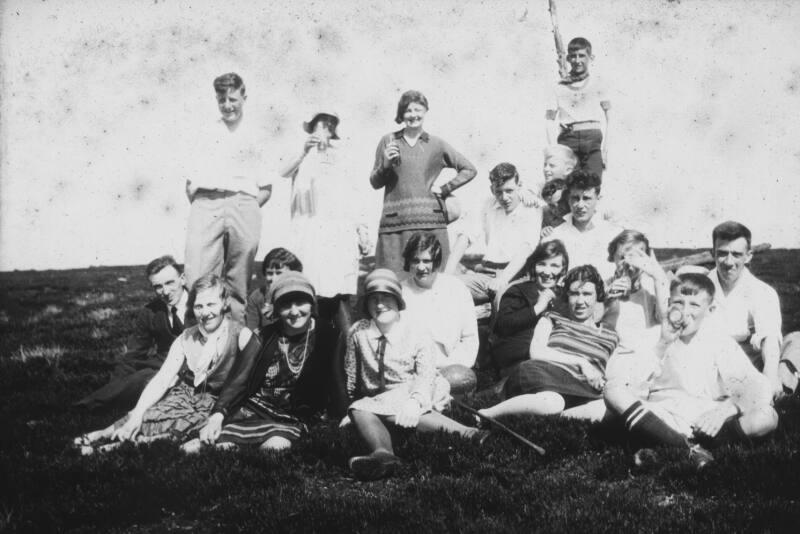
(295, 364)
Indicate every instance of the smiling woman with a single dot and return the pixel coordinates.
(407, 162)
(568, 354)
(177, 400)
(439, 302)
(270, 398)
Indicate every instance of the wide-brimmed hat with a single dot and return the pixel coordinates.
(308, 126)
(288, 283)
(384, 281)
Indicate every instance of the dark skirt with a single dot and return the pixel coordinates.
(537, 376)
(257, 421)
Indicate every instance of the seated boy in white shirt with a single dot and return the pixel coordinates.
(700, 386)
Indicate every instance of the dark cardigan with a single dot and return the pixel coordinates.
(313, 387)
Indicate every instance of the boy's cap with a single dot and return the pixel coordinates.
(290, 282)
(308, 124)
(384, 281)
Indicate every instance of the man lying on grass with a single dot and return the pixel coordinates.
(179, 398)
(699, 388)
(156, 327)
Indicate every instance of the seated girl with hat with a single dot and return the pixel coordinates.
(391, 376)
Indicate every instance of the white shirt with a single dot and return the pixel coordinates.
(589, 247)
(505, 234)
(447, 313)
(710, 368)
(638, 322)
(230, 160)
(751, 307)
(580, 101)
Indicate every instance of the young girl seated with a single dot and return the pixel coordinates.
(524, 302)
(568, 355)
(391, 372)
(259, 309)
(178, 399)
(268, 399)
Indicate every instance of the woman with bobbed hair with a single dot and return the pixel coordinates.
(407, 162)
(441, 303)
(523, 303)
(568, 354)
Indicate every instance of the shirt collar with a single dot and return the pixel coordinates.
(392, 337)
(422, 137)
(204, 336)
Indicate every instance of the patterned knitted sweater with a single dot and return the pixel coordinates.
(408, 203)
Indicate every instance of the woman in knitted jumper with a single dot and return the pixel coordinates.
(407, 162)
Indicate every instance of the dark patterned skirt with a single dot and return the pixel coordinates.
(537, 376)
(257, 421)
(178, 415)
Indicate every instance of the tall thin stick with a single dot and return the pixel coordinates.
(563, 67)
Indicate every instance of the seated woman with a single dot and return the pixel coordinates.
(178, 399)
(638, 293)
(568, 355)
(440, 303)
(523, 303)
(391, 372)
(636, 303)
(268, 399)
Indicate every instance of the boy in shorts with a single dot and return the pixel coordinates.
(580, 108)
(700, 387)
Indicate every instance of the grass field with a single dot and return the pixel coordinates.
(61, 330)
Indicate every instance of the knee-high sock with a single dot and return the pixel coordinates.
(641, 421)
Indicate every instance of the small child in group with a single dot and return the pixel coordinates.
(259, 309)
(559, 161)
(700, 387)
(580, 108)
(553, 213)
(392, 379)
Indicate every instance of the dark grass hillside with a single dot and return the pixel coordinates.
(61, 330)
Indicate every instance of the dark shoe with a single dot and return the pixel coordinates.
(645, 458)
(374, 466)
(699, 456)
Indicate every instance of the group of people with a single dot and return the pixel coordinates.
(579, 318)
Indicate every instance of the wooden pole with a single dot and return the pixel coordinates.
(702, 258)
(495, 423)
(563, 67)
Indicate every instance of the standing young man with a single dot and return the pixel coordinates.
(226, 194)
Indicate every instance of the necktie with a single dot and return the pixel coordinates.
(381, 368)
(177, 325)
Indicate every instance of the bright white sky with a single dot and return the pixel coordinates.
(97, 95)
